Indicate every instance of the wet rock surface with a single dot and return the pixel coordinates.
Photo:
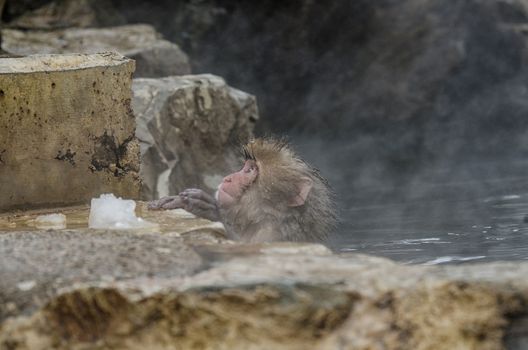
(190, 129)
(154, 56)
(36, 261)
(36, 264)
(183, 286)
(66, 117)
(154, 291)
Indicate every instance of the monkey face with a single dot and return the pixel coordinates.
(234, 185)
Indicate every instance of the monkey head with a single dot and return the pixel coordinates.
(276, 196)
(233, 186)
(271, 173)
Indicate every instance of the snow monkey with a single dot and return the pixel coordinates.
(276, 196)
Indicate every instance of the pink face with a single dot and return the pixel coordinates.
(234, 185)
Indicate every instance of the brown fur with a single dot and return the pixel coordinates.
(263, 212)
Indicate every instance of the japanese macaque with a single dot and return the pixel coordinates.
(276, 196)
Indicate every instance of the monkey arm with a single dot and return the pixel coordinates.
(200, 203)
(193, 200)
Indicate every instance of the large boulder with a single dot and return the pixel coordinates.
(66, 129)
(154, 56)
(189, 129)
(81, 288)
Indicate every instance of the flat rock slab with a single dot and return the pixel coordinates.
(190, 129)
(154, 56)
(37, 264)
(100, 289)
(66, 129)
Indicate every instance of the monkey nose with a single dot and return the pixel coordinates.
(228, 179)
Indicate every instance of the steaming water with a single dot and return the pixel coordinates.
(482, 229)
(471, 212)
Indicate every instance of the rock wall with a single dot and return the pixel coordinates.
(190, 129)
(409, 81)
(66, 129)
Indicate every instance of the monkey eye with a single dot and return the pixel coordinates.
(250, 168)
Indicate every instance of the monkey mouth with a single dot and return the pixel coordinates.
(223, 198)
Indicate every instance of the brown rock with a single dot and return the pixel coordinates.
(65, 122)
(189, 129)
(279, 296)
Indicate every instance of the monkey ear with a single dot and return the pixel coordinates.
(304, 188)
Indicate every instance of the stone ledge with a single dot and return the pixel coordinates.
(59, 63)
(165, 291)
(154, 56)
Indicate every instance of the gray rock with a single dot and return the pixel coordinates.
(189, 129)
(29, 14)
(37, 264)
(66, 129)
(154, 56)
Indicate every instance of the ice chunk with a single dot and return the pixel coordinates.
(26, 285)
(51, 221)
(110, 212)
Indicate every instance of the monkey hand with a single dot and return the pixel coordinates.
(200, 204)
(169, 202)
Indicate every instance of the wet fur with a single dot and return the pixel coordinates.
(263, 213)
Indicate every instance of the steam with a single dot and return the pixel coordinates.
(415, 111)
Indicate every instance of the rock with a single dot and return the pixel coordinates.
(154, 56)
(76, 289)
(57, 259)
(38, 14)
(15, 8)
(189, 129)
(47, 260)
(66, 129)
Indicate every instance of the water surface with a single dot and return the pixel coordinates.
(436, 213)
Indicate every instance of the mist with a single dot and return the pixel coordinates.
(391, 100)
